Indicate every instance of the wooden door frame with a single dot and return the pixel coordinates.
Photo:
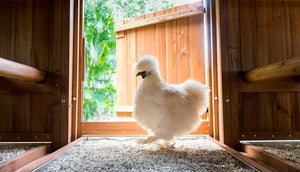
(214, 80)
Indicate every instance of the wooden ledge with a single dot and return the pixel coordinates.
(162, 18)
(270, 159)
(24, 158)
(39, 162)
(14, 70)
(285, 68)
(243, 157)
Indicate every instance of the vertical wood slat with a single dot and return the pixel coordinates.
(40, 103)
(23, 54)
(294, 8)
(7, 35)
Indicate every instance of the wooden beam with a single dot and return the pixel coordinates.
(285, 68)
(242, 157)
(262, 135)
(37, 163)
(286, 85)
(25, 137)
(14, 70)
(160, 19)
(126, 128)
(270, 159)
(23, 159)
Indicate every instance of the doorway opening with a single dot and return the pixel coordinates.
(113, 46)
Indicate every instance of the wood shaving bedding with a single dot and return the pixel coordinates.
(113, 154)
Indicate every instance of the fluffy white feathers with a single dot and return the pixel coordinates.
(165, 110)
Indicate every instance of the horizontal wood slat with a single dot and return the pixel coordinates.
(285, 68)
(126, 128)
(269, 135)
(163, 18)
(14, 70)
(21, 160)
(25, 137)
(270, 159)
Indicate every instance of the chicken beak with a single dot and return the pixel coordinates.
(143, 74)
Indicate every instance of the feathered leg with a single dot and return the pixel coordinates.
(149, 139)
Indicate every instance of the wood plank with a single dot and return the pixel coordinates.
(242, 157)
(295, 27)
(122, 87)
(140, 48)
(66, 71)
(281, 85)
(160, 19)
(21, 160)
(264, 32)
(40, 113)
(182, 53)
(266, 113)
(274, 135)
(270, 159)
(171, 48)
(21, 117)
(6, 106)
(131, 58)
(160, 42)
(250, 113)
(55, 69)
(196, 48)
(37, 163)
(25, 137)
(296, 112)
(285, 68)
(284, 111)
(75, 70)
(14, 70)
(127, 128)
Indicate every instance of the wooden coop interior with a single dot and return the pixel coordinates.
(251, 64)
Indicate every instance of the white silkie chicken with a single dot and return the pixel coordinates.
(167, 111)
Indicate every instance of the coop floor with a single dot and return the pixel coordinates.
(124, 154)
(286, 150)
(8, 151)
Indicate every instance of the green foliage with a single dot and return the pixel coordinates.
(100, 69)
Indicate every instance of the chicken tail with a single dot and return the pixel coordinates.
(198, 91)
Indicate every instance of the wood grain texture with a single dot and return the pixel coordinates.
(281, 69)
(270, 159)
(23, 159)
(13, 70)
(126, 128)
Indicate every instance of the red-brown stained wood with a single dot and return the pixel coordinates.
(6, 107)
(23, 159)
(270, 159)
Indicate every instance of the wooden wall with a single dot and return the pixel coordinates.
(255, 34)
(178, 45)
(36, 33)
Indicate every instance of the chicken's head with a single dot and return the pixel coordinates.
(147, 65)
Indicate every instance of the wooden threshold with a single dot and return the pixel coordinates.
(25, 158)
(270, 159)
(39, 162)
(127, 128)
(242, 157)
